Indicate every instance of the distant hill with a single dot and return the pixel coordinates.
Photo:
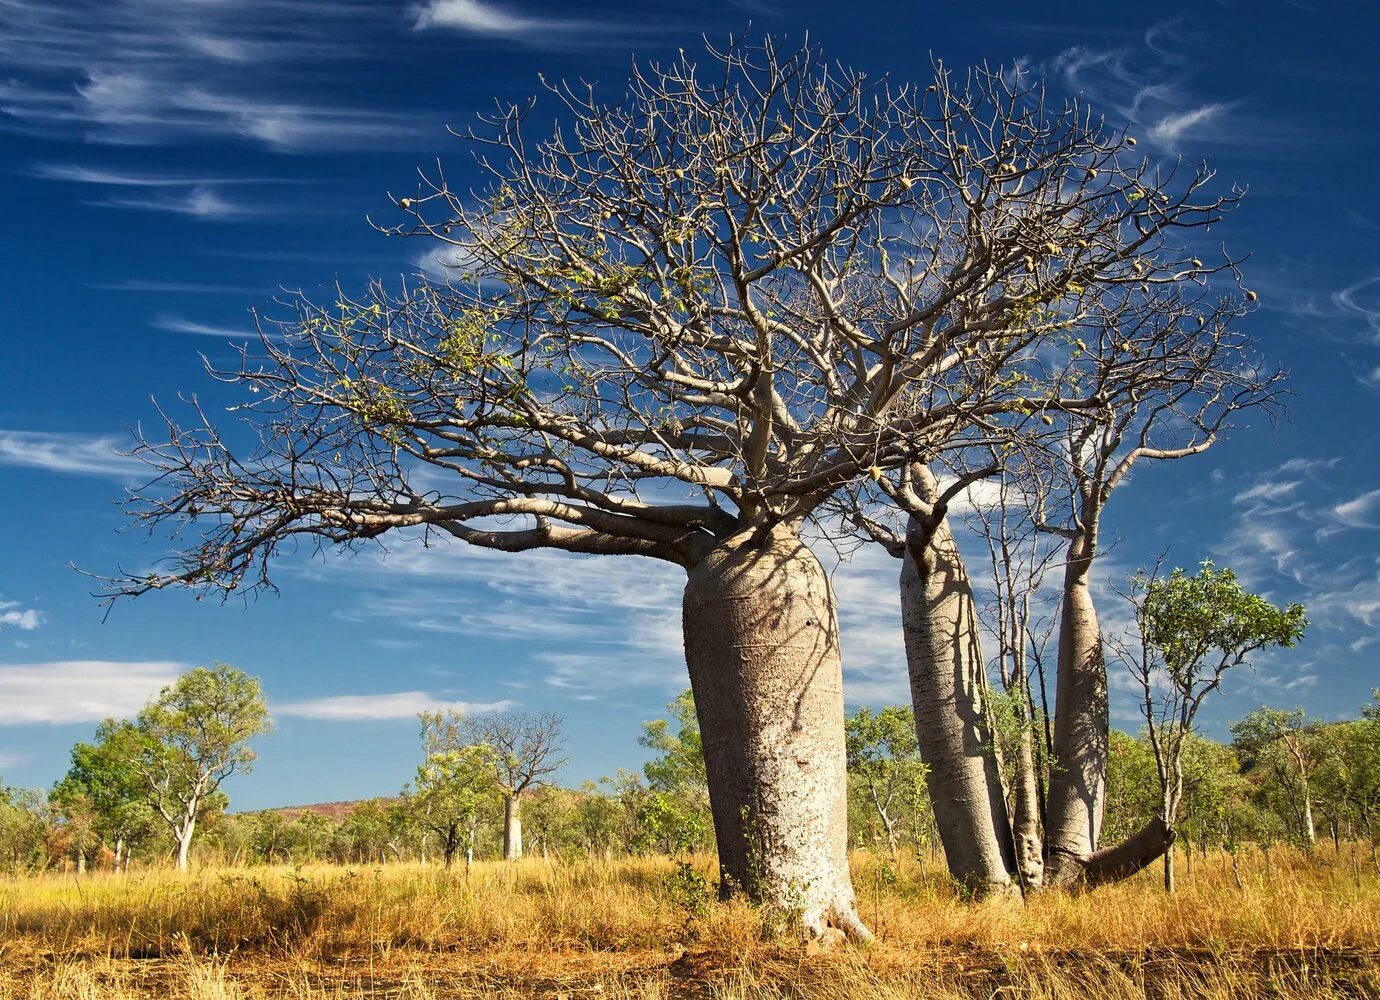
(335, 811)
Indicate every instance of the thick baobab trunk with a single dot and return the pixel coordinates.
(761, 642)
(944, 659)
(1078, 772)
(512, 828)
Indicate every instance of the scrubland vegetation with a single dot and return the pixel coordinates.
(1277, 922)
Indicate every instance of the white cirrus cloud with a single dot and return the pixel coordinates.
(68, 691)
(83, 454)
(130, 71)
(486, 19)
(1359, 512)
(378, 707)
(179, 324)
(479, 17)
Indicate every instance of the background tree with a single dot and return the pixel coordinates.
(192, 737)
(104, 772)
(677, 771)
(523, 751)
(1282, 744)
(1348, 774)
(1190, 630)
(454, 782)
(883, 755)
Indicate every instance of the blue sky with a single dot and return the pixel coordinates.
(168, 164)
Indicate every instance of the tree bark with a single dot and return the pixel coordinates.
(1133, 854)
(512, 827)
(944, 659)
(1029, 844)
(1310, 834)
(184, 844)
(761, 643)
(1169, 869)
(1078, 772)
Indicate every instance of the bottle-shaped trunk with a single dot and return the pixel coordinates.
(944, 660)
(512, 827)
(761, 642)
(1078, 772)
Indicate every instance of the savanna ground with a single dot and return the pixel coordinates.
(1284, 925)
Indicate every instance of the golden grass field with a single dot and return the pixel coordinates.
(1297, 926)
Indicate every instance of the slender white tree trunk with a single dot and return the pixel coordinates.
(1078, 772)
(761, 642)
(119, 854)
(512, 828)
(184, 843)
(1026, 821)
(1310, 832)
(944, 659)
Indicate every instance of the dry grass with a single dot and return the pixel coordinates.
(1297, 926)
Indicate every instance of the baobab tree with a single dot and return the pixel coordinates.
(675, 327)
(1174, 372)
(1167, 370)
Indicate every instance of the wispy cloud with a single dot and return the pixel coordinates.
(1360, 512)
(69, 691)
(373, 707)
(137, 71)
(485, 19)
(1149, 86)
(1361, 300)
(78, 174)
(200, 203)
(85, 454)
(176, 287)
(179, 324)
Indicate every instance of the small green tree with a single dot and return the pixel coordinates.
(884, 756)
(104, 772)
(1191, 630)
(23, 826)
(678, 804)
(1283, 744)
(192, 737)
(1347, 779)
(453, 784)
